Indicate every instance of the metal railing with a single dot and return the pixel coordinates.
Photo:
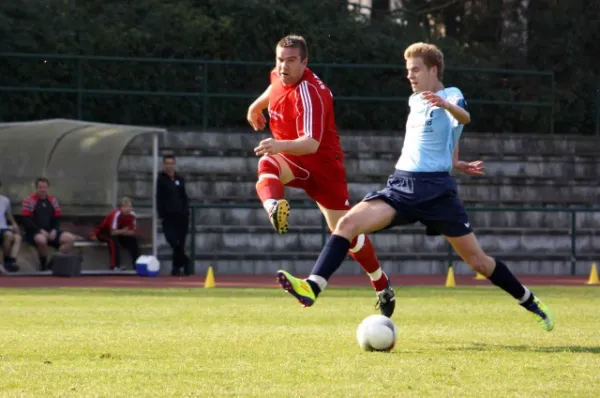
(450, 256)
(598, 108)
(81, 90)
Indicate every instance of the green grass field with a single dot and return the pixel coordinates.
(464, 342)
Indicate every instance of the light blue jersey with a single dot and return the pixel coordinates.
(431, 134)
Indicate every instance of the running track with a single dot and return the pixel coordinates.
(254, 281)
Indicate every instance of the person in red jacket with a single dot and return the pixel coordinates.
(119, 229)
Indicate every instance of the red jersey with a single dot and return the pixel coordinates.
(40, 213)
(116, 220)
(305, 109)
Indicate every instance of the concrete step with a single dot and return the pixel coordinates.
(383, 154)
(401, 241)
(372, 177)
(214, 217)
(470, 190)
(551, 168)
(474, 143)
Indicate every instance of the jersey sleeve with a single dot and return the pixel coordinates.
(455, 97)
(114, 220)
(133, 221)
(310, 119)
(28, 206)
(56, 206)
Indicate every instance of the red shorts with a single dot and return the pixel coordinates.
(324, 182)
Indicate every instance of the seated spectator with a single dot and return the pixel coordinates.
(10, 236)
(119, 229)
(41, 214)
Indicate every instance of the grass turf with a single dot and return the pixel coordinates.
(472, 341)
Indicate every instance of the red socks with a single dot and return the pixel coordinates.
(362, 251)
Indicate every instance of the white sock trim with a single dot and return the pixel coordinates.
(265, 176)
(319, 280)
(360, 242)
(269, 203)
(375, 276)
(525, 296)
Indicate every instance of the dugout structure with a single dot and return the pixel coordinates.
(81, 160)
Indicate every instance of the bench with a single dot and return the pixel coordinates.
(94, 253)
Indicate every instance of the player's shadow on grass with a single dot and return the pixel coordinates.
(526, 348)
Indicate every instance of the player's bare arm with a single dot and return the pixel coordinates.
(298, 147)
(459, 113)
(476, 168)
(255, 115)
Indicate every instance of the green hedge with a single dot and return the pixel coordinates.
(233, 30)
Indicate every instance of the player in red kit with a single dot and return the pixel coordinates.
(305, 153)
(118, 228)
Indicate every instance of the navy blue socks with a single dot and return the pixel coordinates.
(505, 280)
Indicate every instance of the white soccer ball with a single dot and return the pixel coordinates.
(377, 333)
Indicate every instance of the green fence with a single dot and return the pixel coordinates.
(451, 256)
(598, 108)
(74, 79)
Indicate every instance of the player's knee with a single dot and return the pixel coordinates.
(348, 227)
(67, 237)
(268, 168)
(40, 240)
(8, 236)
(67, 241)
(480, 263)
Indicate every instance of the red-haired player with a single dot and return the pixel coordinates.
(305, 153)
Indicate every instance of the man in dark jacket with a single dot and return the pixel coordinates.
(173, 210)
(41, 214)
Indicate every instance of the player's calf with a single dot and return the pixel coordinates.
(363, 252)
(505, 279)
(364, 217)
(499, 274)
(270, 191)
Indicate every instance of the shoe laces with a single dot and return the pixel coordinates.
(383, 297)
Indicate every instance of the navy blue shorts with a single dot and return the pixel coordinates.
(2, 232)
(30, 238)
(430, 198)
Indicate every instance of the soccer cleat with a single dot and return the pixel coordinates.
(386, 301)
(297, 287)
(542, 313)
(278, 216)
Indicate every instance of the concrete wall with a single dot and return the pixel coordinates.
(521, 171)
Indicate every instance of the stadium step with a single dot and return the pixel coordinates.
(469, 190)
(244, 175)
(565, 169)
(302, 217)
(470, 143)
(400, 241)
